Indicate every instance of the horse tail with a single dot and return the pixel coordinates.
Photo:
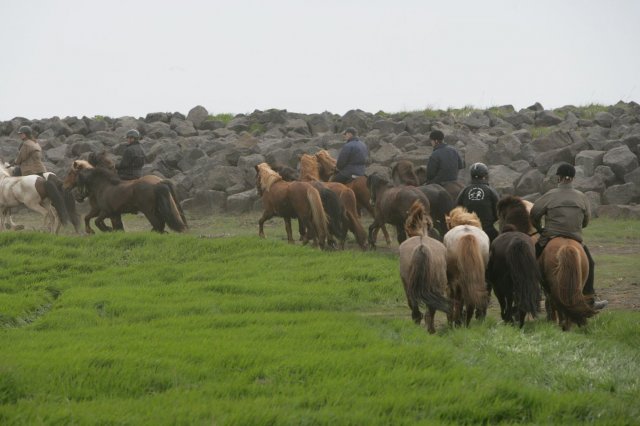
(172, 190)
(318, 217)
(423, 281)
(416, 220)
(525, 276)
(166, 207)
(335, 212)
(472, 271)
(568, 289)
(57, 200)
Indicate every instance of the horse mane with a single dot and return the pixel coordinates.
(267, 176)
(460, 216)
(309, 167)
(101, 173)
(288, 174)
(4, 171)
(512, 210)
(403, 172)
(325, 159)
(417, 220)
(81, 165)
(101, 160)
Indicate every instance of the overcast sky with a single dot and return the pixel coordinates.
(117, 58)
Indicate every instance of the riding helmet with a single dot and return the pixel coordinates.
(25, 130)
(566, 170)
(479, 170)
(133, 133)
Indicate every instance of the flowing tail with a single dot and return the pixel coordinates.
(567, 293)
(318, 217)
(471, 271)
(175, 199)
(334, 211)
(525, 276)
(417, 220)
(424, 279)
(352, 218)
(57, 200)
(167, 209)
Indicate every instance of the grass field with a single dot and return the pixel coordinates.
(220, 327)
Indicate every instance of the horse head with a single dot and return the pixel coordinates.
(460, 216)
(326, 164)
(309, 169)
(71, 180)
(101, 160)
(265, 177)
(376, 183)
(403, 173)
(513, 210)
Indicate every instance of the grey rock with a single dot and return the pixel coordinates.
(529, 183)
(589, 160)
(476, 151)
(476, 120)
(506, 149)
(240, 123)
(205, 202)
(503, 179)
(603, 119)
(242, 202)
(607, 175)
(356, 118)
(159, 129)
(211, 125)
(593, 183)
(522, 118)
(154, 117)
(297, 125)
(321, 123)
(545, 160)
(185, 128)
(547, 119)
(554, 140)
(633, 176)
(621, 194)
(56, 155)
(595, 201)
(621, 160)
(385, 154)
(619, 212)
(197, 115)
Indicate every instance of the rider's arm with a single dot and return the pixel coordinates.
(432, 167)
(343, 157)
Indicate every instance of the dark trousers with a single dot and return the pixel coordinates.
(491, 232)
(588, 286)
(341, 179)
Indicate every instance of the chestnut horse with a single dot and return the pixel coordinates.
(327, 168)
(423, 268)
(565, 269)
(513, 271)
(392, 205)
(290, 200)
(114, 197)
(467, 258)
(309, 172)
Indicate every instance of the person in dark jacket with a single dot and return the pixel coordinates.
(130, 167)
(566, 211)
(480, 198)
(352, 160)
(444, 162)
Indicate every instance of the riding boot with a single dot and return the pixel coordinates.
(539, 249)
(588, 289)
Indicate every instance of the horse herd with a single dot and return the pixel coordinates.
(446, 260)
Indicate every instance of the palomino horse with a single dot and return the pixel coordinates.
(114, 197)
(467, 257)
(392, 205)
(327, 168)
(290, 200)
(309, 173)
(34, 192)
(565, 269)
(513, 270)
(423, 268)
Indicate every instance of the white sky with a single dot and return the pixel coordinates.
(116, 58)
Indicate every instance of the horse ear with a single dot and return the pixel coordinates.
(74, 165)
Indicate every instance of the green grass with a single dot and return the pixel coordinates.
(539, 132)
(221, 327)
(224, 117)
(588, 112)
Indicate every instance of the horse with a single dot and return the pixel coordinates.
(467, 257)
(392, 205)
(327, 168)
(34, 192)
(423, 268)
(406, 174)
(290, 200)
(513, 210)
(309, 172)
(288, 174)
(113, 197)
(565, 269)
(461, 216)
(403, 173)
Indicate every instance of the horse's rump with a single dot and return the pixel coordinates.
(427, 278)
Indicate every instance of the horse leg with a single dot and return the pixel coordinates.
(400, 233)
(469, 314)
(416, 315)
(373, 230)
(287, 227)
(116, 222)
(87, 220)
(265, 216)
(429, 320)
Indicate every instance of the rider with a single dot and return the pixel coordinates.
(130, 167)
(566, 211)
(29, 160)
(444, 162)
(352, 159)
(480, 198)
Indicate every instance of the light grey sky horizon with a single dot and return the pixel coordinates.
(128, 58)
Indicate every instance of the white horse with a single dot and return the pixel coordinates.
(32, 192)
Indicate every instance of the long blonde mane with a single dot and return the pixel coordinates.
(326, 160)
(460, 216)
(267, 176)
(81, 165)
(309, 167)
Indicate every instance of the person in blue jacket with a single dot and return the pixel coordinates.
(444, 162)
(353, 157)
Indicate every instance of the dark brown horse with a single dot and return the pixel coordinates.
(565, 269)
(452, 187)
(392, 205)
(514, 211)
(327, 168)
(309, 172)
(423, 268)
(290, 200)
(115, 197)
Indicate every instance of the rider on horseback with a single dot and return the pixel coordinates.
(480, 198)
(566, 211)
(130, 167)
(29, 160)
(352, 159)
(444, 162)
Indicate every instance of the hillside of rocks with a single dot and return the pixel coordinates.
(211, 158)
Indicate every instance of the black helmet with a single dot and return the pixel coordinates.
(479, 170)
(133, 133)
(566, 170)
(25, 129)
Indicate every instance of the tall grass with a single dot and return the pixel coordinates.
(193, 329)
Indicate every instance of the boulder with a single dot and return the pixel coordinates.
(185, 129)
(595, 200)
(385, 154)
(205, 202)
(197, 115)
(547, 119)
(522, 118)
(529, 183)
(355, 118)
(503, 179)
(545, 160)
(621, 194)
(554, 140)
(619, 212)
(389, 126)
(77, 125)
(603, 119)
(321, 123)
(154, 117)
(633, 176)
(593, 183)
(159, 129)
(56, 155)
(621, 160)
(210, 124)
(476, 120)
(242, 202)
(189, 157)
(297, 125)
(589, 160)
(607, 175)
(506, 149)
(240, 123)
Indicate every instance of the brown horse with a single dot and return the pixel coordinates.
(405, 172)
(514, 211)
(114, 197)
(423, 268)
(327, 168)
(392, 205)
(290, 200)
(309, 172)
(565, 269)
